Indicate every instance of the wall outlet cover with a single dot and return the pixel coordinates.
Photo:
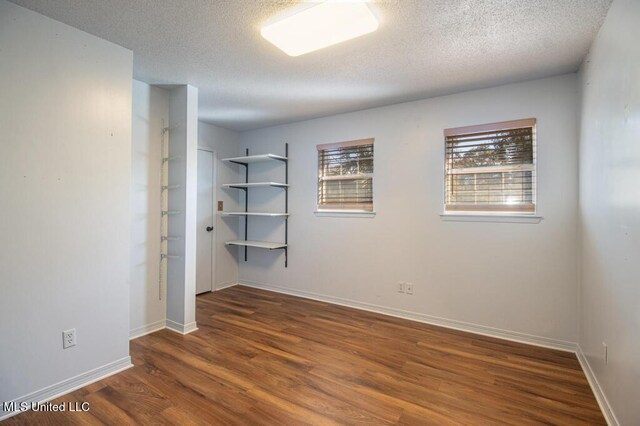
(68, 338)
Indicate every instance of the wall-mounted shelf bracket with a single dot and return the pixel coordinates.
(245, 161)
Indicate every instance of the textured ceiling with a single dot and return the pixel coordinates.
(423, 48)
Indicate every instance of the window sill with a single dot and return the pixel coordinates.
(503, 218)
(345, 213)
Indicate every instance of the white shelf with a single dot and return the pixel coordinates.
(254, 185)
(245, 161)
(259, 244)
(253, 214)
(255, 158)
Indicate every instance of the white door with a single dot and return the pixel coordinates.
(206, 222)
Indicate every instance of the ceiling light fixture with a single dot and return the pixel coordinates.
(322, 25)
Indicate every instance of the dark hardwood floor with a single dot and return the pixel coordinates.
(266, 358)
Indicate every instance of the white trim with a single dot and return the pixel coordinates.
(162, 324)
(344, 213)
(504, 218)
(491, 127)
(214, 237)
(514, 336)
(69, 385)
(493, 169)
(605, 407)
(345, 144)
(181, 328)
(226, 284)
(143, 330)
(214, 183)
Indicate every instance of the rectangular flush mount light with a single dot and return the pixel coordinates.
(321, 25)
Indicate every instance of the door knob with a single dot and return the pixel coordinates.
(209, 228)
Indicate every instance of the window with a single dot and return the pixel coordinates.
(345, 176)
(491, 168)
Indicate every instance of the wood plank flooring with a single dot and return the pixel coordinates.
(266, 358)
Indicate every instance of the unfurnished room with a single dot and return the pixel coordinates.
(320, 212)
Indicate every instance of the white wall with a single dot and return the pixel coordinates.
(610, 208)
(183, 171)
(150, 108)
(226, 143)
(148, 293)
(65, 175)
(510, 276)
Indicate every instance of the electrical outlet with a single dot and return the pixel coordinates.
(408, 288)
(68, 338)
(220, 206)
(605, 353)
(400, 287)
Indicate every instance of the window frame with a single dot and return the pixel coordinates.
(349, 209)
(487, 211)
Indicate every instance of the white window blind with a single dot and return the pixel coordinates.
(345, 176)
(491, 167)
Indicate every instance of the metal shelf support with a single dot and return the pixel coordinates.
(245, 164)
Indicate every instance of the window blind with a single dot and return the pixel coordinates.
(345, 176)
(491, 167)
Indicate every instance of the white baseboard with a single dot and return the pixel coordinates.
(424, 318)
(463, 326)
(147, 329)
(84, 379)
(69, 385)
(605, 407)
(224, 285)
(181, 328)
(164, 323)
